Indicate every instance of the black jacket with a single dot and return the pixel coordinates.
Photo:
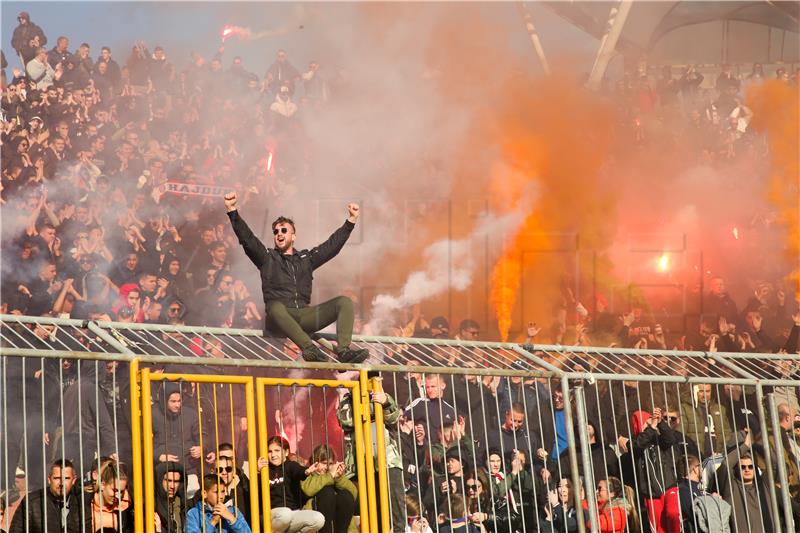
(30, 515)
(287, 278)
(175, 433)
(284, 485)
(23, 35)
(171, 521)
(653, 460)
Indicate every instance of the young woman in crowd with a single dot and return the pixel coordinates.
(479, 500)
(286, 496)
(109, 507)
(616, 507)
(329, 491)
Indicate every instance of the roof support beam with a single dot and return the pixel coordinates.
(608, 44)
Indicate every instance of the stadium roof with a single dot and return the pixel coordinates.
(673, 31)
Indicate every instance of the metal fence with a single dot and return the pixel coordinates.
(508, 437)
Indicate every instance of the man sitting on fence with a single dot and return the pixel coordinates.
(286, 276)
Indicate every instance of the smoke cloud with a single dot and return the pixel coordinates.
(449, 265)
(775, 105)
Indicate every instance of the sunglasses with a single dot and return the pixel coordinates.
(174, 309)
(472, 486)
(670, 418)
(226, 469)
(746, 467)
(283, 230)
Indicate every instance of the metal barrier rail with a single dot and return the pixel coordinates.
(562, 418)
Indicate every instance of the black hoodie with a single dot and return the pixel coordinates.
(171, 521)
(176, 433)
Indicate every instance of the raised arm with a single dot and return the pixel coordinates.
(253, 247)
(328, 249)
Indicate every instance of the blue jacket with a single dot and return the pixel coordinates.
(196, 514)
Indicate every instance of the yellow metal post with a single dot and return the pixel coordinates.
(136, 438)
(361, 471)
(369, 460)
(380, 441)
(147, 456)
(252, 457)
(262, 438)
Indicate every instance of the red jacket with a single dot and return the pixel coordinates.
(671, 516)
(613, 519)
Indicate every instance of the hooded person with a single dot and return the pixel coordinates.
(172, 272)
(27, 37)
(176, 429)
(129, 301)
(170, 497)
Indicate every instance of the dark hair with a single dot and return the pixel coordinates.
(457, 508)
(225, 446)
(614, 486)
(105, 48)
(216, 244)
(221, 273)
(62, 464)
(210, 481)
(468, 323)
(685, 465)
(277, 439)
(323, 452)
(283, 220)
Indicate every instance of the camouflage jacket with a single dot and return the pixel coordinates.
(391, 415)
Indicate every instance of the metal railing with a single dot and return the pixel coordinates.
(519, 421)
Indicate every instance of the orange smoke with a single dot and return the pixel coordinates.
(556, 136)
(775, 108)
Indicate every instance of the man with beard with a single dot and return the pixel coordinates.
(286, 276)
(54, 509)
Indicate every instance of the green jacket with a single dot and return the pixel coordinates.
(391, 415)
(315, 483)
(695, 424)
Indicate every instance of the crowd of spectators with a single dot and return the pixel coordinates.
(89, 232)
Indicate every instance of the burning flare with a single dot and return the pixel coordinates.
(663, 263)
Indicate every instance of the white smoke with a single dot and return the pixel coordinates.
(449, 264)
